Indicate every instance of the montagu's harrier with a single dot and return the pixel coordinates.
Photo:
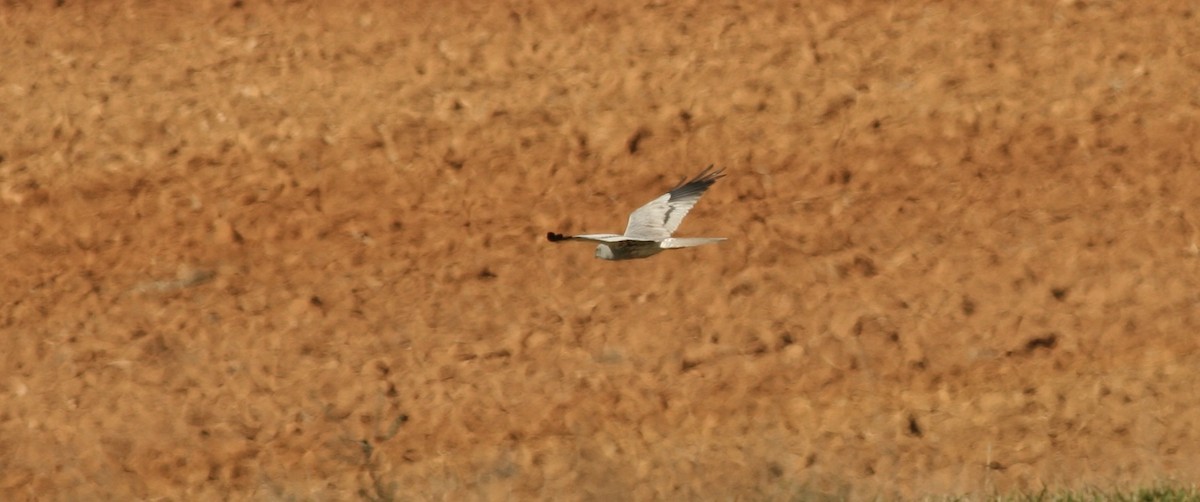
(650, 227)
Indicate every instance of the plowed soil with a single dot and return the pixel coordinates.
(291, 250)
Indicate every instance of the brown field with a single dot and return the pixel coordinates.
(296, 251)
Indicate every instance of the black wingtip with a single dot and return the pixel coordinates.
(553, 237)
(701, 182)
(709, 175)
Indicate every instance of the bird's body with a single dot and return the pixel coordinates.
(627, 250)
(650, 226)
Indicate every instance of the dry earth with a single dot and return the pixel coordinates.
(291, 250)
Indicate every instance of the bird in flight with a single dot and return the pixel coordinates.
(650, 226)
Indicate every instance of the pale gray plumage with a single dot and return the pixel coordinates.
(650, 226)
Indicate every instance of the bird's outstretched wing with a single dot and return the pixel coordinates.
(659, 219)
(553, 237)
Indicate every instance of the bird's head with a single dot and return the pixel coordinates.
(604, 252)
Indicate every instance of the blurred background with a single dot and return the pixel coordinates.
(296, 250)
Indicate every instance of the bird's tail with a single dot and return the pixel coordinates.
(688, 242)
